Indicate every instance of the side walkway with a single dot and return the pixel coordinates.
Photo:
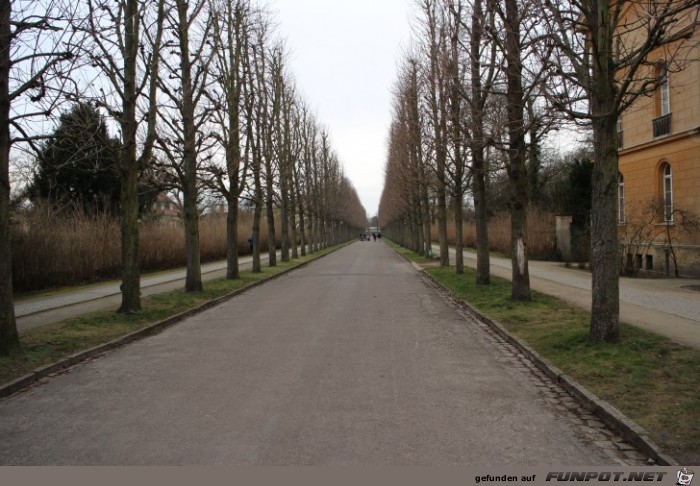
(40, 310)
(666, 306)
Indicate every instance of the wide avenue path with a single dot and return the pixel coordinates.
(354, 359)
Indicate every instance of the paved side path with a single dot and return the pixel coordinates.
(354, 359)
(37, 311)
(663, 306)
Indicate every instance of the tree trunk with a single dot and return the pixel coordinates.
(420, 235)
(270, 190)
(459, 240)
(519, 261)
(483, 264)
(425, 206)
(414, 226)
(293, 223)
(193, 276)
(284, 190)
(233, 162)
(270, 217)
(442, 207)
(478, 102)
(232, 271)
(302, 219)
(310, 198)
(517, 174)
(284, 224)
(131, 266)
(313, 240)
(258, 202)
(9, 338)
(456, 115)
(605, 262)
(257, 214)
(439, 126)
(416, 141)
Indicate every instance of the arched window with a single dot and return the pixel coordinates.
(667, 187)
(620, 199)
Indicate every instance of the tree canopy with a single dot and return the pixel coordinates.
(77, 164)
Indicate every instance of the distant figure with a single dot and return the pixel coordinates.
(251, 240)
(374, 236)
(379, 235)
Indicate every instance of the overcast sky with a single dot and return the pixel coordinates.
(344, 55)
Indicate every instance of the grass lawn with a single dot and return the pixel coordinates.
(48, 344)
(651, 379)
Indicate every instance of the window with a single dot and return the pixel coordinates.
(661, 125)
(667, 186)
(665, 96)
(621, 199)
(619, 133)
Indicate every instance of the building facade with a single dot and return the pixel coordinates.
(659, 163)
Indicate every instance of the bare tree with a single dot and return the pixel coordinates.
(456, 136)
(685, 222)
(293, 123)
(480, 84)
(273, 89)
(400, 195)
(286, 162)
(256, 108)
(186, 115)
(407, 167)
(638, 234)
(607, 54)
(232, 26)
(124, 48)
(403, 207)
(435, 32)
(512, 50)
(305, 135)
(37, 51)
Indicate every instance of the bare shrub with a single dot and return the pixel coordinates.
(53, 247)
(637, 234)
(542, 238)
(162, 244)
(541, 234)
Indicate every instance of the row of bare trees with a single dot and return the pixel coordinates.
(202, 101)
(485, 81)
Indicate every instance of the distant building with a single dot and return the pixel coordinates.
(165, 207)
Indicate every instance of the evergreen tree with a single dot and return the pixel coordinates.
(579, 193)
(77, 164)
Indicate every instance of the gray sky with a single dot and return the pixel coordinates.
(344, 55)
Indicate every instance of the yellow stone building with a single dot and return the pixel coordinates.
(659, 186)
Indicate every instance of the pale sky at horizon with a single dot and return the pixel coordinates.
(344, 57)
